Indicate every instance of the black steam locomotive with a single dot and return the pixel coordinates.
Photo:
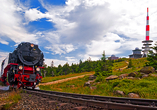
(22, 67)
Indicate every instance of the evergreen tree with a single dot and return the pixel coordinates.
(66, 69)
(59, 70)
(103, 58)
(152, 57)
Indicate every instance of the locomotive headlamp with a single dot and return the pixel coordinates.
(20, 67)
(37, 69)
(32, 45)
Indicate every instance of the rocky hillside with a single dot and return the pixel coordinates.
(136, 81)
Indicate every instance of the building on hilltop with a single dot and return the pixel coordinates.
(136, 53)
(113, 57)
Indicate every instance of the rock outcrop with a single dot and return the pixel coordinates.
(145, 75)
(93, 87)
(130, 77)
(72, 86)
(112, 77)
(154, 75)
(147, 70)
(123, 76)
(87, 84)
(133, 95)
(132, 74)
(118, 92)
(91, 77)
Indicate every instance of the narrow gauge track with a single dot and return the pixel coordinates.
(98, 101)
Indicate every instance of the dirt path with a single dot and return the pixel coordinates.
(123, 67)
(64, 80)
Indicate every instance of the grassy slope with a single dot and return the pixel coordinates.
(137, 65)
(145, 87)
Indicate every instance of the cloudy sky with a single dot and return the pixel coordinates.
(70, 30)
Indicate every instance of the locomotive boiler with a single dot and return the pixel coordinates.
(22, 68)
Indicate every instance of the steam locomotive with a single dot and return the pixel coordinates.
(22, 68)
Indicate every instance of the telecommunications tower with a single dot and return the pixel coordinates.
(146, 43)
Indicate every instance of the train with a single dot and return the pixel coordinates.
(22, 67)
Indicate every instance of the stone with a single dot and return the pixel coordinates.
(118, 92)
(112, 77)
(92, 81)
(93, 87)
(142, 73)
(154, 75)
(132, 74)
(72, 86)
(133, 95)
(52, 102)
(145, 75)
(91, 77)
(122, 76)
(147, 70)
(80, 108)
(130, 77)
(62, 106)
(87, 83)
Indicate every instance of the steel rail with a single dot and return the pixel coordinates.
(98, 101)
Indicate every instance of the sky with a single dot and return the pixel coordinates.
(70, 30)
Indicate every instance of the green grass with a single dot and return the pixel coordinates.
(146, 87)
(49, 79)
(137, 65)
(118, 65)
(12, 99)
(66, 86)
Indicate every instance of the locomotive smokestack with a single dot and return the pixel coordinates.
(147, 26)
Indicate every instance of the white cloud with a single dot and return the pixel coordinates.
(71, 59)
(107, 43)
(3, 41)
(11, 24)
(111, 25)
(34, 14)
(56, 62)
(61, 48)
(111, 43)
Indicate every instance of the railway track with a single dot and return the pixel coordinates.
(98, 101)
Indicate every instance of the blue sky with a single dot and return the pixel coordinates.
(70, 30)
